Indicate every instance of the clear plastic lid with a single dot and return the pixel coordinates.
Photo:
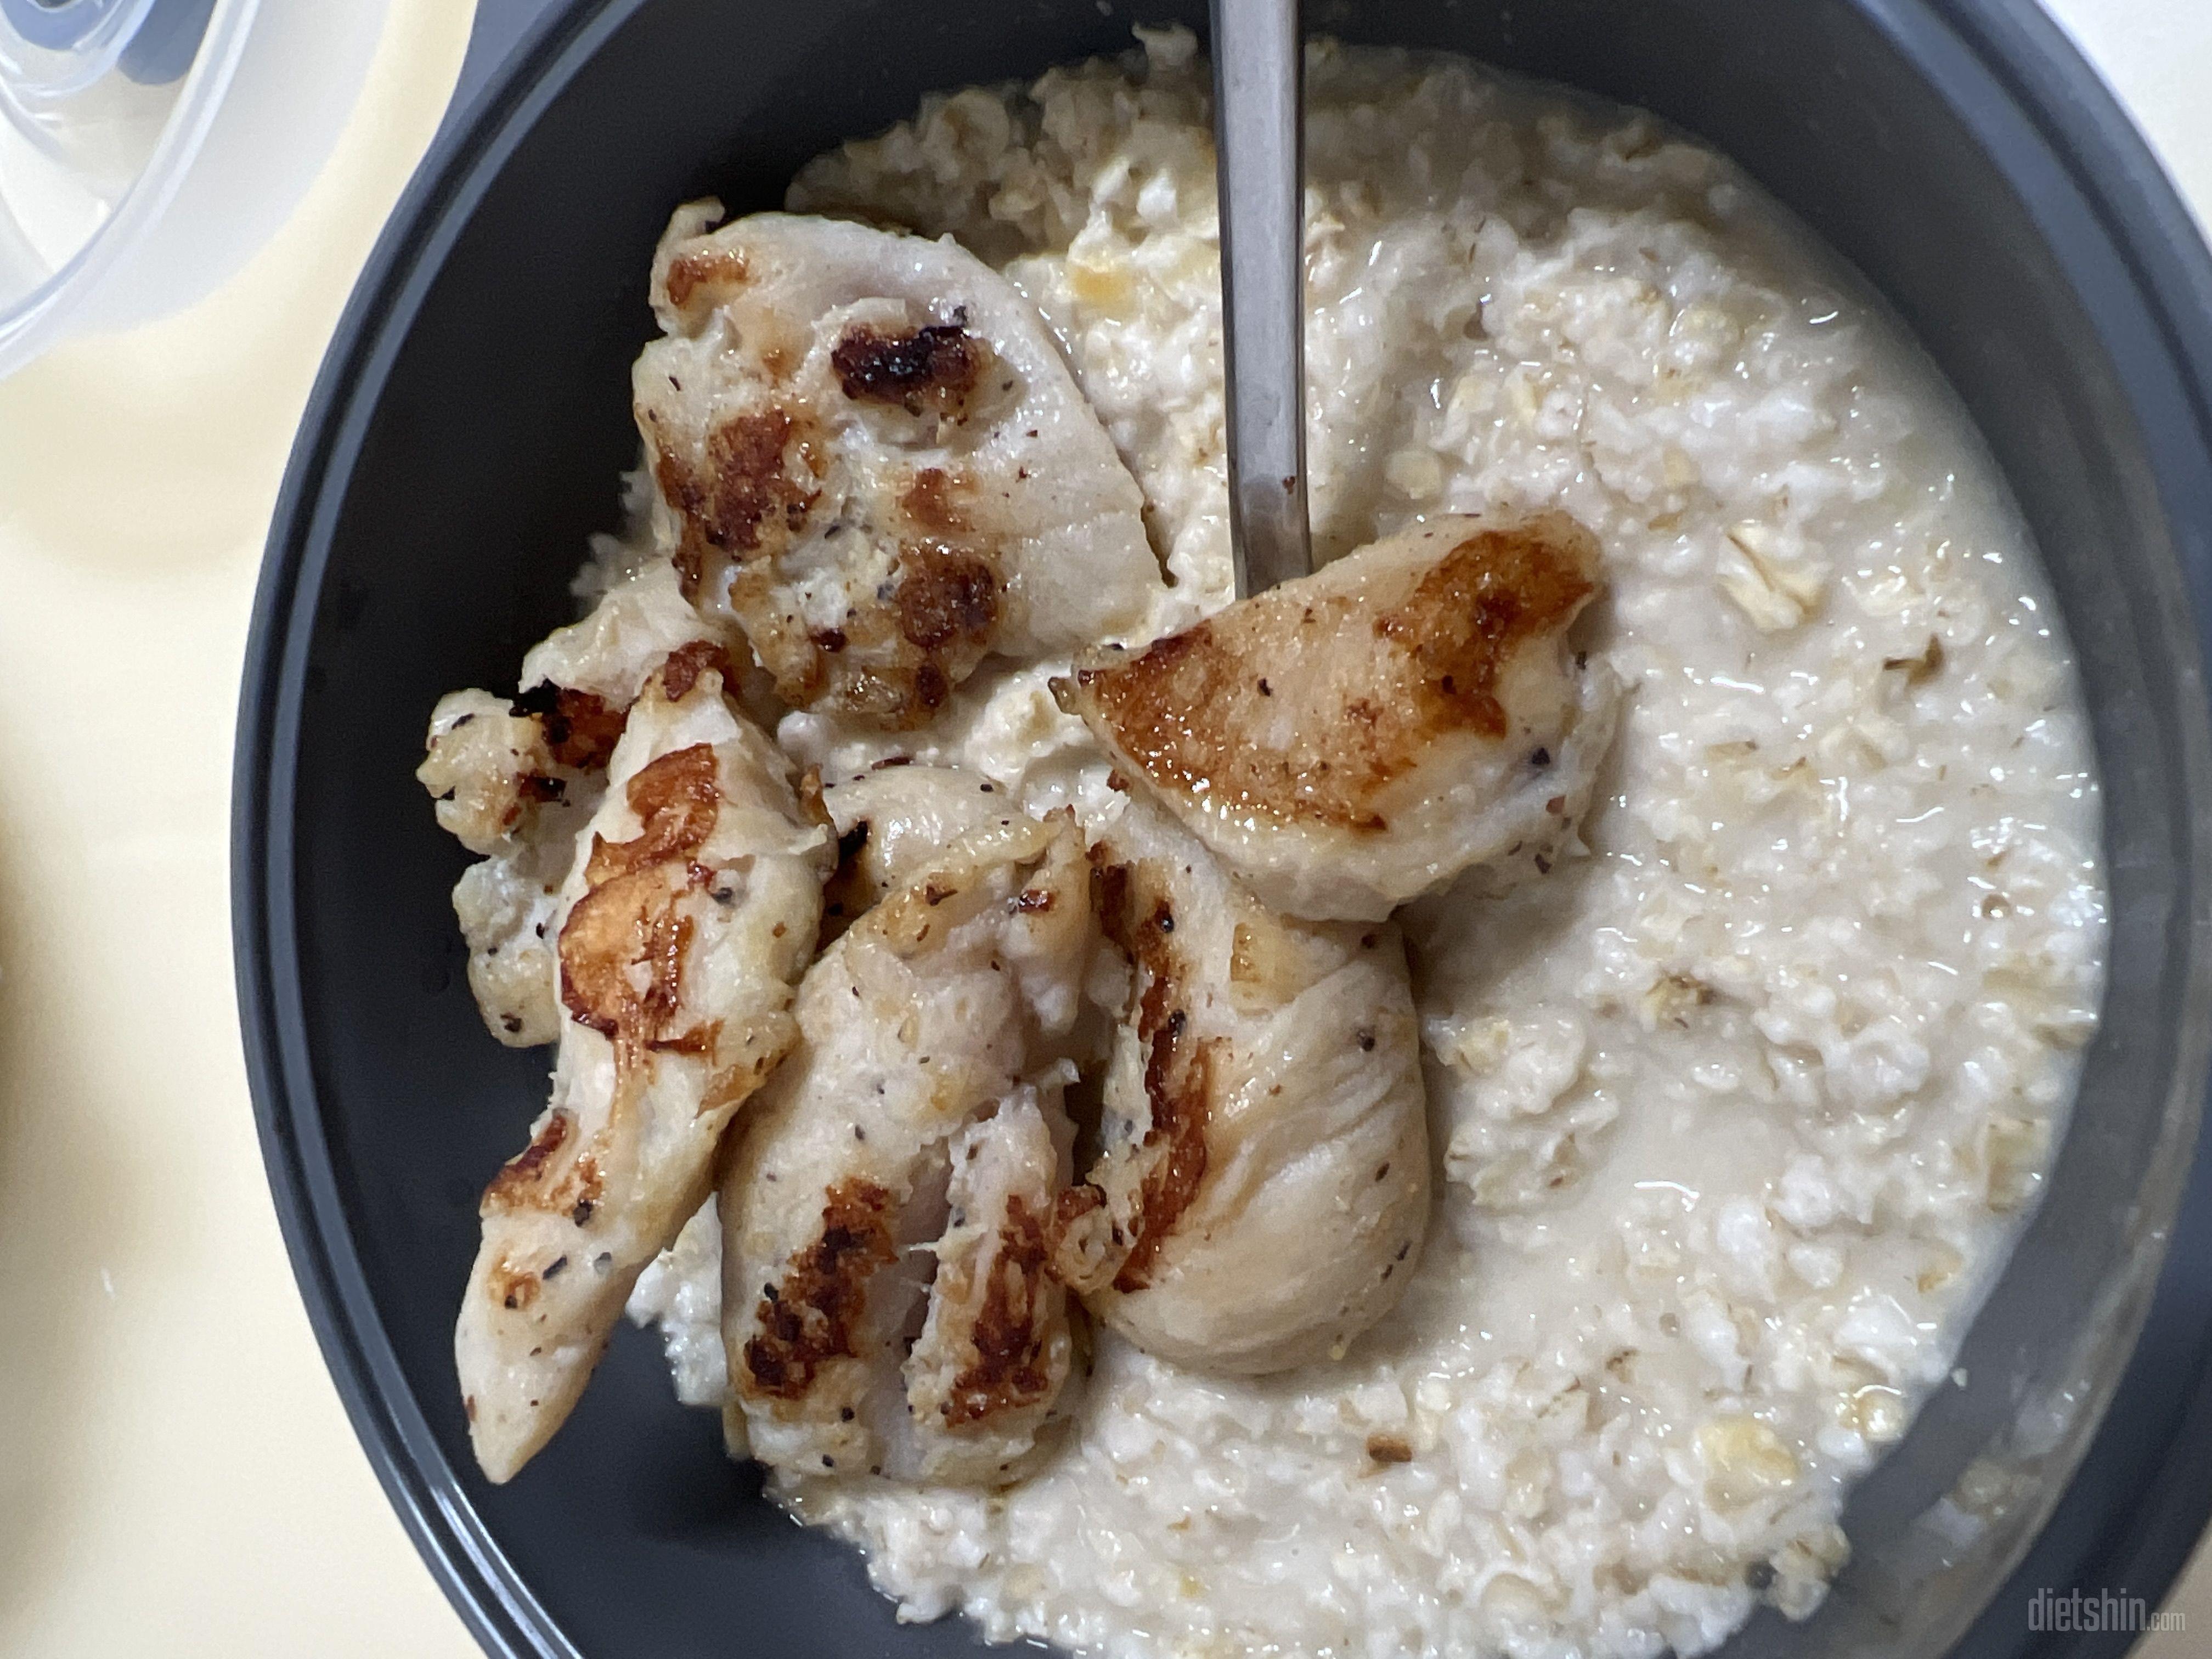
(148, 146)
(87, 89)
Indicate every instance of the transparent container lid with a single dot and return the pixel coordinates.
(148, 146)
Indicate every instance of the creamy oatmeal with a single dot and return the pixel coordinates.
(1734, 1113)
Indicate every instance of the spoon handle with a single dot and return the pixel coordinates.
(1259, 137)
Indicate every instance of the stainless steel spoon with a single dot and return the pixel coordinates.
(1259, 140)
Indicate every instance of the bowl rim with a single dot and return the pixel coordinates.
(2138, 1531)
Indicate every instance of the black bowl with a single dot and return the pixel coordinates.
(466, 435)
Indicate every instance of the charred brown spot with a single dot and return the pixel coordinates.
(1074, 1203)
(676, 798)
(580, 729)
(930, 689)
(519, 1177)
(1138, 920)
(709, 266)
(1176, 1079)
(807, 1320)
(946, 597)
(626, 924)
(690, 558)
(541, 1180)
(1487, 598)
(512, 1287)
(932, 501)
(933, 368)
(687, 664)
(622, 949)
(746, 482)
(1035, 901)
(1009, 1371)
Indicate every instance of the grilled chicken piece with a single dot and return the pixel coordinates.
(890, 821)
(931, 1027)
(688, 916)
(1350, 740)
(1263, 1188)
(868, 452)
(515, 779)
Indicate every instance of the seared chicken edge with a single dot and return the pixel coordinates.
(689, 914)
(1350, 740)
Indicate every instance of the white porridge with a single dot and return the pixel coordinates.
(1735, 1113)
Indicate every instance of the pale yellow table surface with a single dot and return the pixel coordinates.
(176, 1476)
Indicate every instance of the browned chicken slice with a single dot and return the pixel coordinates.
(869, 453)
(856, 1220)
(1348, 741)
(688, 915)
(1263, 1187)
(515, 778)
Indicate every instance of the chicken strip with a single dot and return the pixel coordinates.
(932, 1025)
(1262, 1185)
(688, 916)
(515, 779)
(869, 453)
(1350, 740)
